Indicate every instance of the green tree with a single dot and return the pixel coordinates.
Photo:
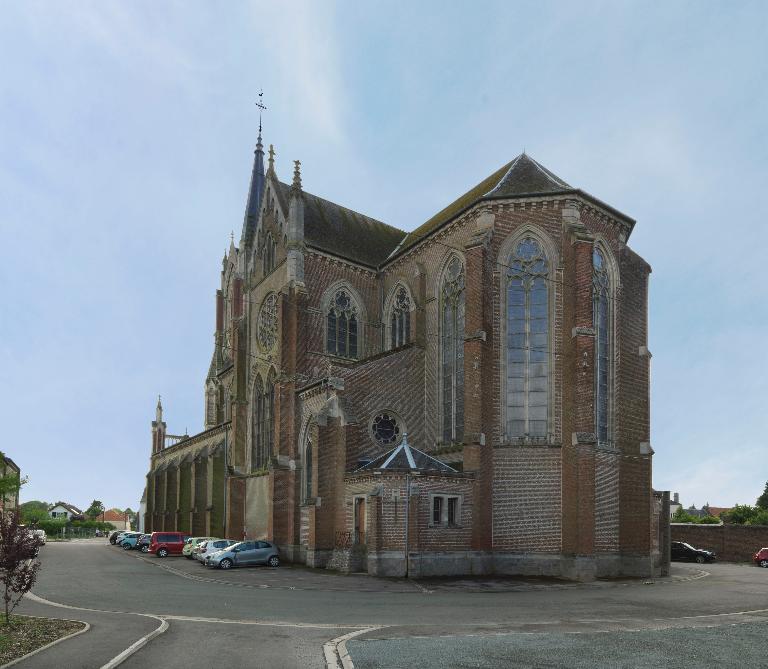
(682, 516)
(762, 501)
(741, 514)
(9, 483)
(95, 509)
(33, 511)
(708, 520)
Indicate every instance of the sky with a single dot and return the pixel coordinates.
(126, 142)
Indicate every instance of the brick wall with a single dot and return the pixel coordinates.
(731, 543)
(526, 499)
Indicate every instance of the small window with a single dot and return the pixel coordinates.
(386, 429)
(446, 510)
(437, 510)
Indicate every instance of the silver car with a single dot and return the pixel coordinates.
(245, 554)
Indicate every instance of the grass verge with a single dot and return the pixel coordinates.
(25, 634)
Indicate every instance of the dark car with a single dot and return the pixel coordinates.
(683, 552)
(113, 536)
(143, 543)
(761, 558)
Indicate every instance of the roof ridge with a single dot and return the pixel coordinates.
(506, 174)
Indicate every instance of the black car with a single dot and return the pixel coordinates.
(683, 552)
(143, 543)
(113, 536)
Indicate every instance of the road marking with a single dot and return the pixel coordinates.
(48, 645)
(133, 648)
(335, 650)
(265, 623)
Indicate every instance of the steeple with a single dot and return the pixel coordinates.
(159, 410)
(256, 189)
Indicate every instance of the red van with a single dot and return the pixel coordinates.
(163, 544)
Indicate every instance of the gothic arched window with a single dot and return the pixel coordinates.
(400, 318)
(268, 253)
(601, 318)
(262, 422)
(527, 341)
(452, 351)
(342, 325)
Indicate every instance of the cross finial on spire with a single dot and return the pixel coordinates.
(262, 107)
(271, 165)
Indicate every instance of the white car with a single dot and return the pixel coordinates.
(41, 535)
(208, 548)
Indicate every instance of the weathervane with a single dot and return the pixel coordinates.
(262, 107)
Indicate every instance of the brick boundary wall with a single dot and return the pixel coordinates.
(731, 543)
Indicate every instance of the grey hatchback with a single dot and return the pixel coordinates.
(244, 554)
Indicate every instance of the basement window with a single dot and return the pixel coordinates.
(446, 510)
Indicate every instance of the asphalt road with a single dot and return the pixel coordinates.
(275, 618)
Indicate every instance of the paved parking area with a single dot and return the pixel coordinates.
(290, 617)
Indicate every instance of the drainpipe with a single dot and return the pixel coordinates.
(407, 517)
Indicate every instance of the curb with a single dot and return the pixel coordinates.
(336, 653)
(133, 648)
(48, 645)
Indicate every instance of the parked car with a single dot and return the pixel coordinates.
(191, 544)
(164, 544)
(143, 543)
(246, 553)
(129, 540)
(683, 552)
(113, 536)
(40, 534)
(208, 548)
(120, 536)
(761, 557)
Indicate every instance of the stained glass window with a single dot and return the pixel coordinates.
(268, 323)
(527, 342)
(400, 319)
(452, 352)
(342, 326)
(601, 319)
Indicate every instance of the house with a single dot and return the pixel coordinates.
(8, 467)
(66, 511)
(119, 519)
(142, 511)
(506, 335)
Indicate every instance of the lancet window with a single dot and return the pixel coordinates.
(342, 326)
(262, 422)
(400, 318)
(601, 314)
(452, 351)
(527, 345)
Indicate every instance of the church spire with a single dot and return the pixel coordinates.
(256, 189)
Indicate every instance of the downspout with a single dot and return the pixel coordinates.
(407, 517)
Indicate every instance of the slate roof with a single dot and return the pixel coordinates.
(519, 177)
(340, 231)
(406, 458)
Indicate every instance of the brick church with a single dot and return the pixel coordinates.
(473, 394)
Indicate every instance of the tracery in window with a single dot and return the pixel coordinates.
(267, 328)
(452, 351)
(601, 320)
(342, 325)
(400, 318)
(268, 253)
(386, 429)
(527, 408)
(262, 422)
